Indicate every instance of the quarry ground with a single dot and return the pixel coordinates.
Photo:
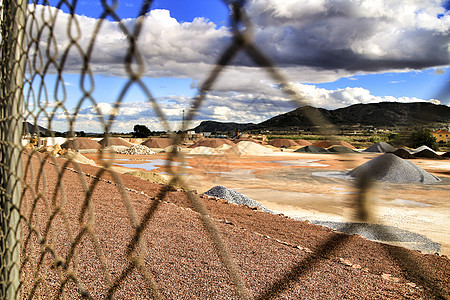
(311, 187)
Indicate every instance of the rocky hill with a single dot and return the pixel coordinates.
(384, 114)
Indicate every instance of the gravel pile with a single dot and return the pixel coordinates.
(427, 154)
(182, 259)
(381, 147)
(249, 148)
(312, 149)
(403, 153)
(137, 150)
(391, 168)
(234, 197)
(383, 233)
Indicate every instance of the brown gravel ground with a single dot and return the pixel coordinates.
(277, 256)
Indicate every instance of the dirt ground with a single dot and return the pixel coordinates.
(303, 186)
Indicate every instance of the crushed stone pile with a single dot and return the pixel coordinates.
(425, 153)
(421, 148)
(403, 153)
(285, 143)
(381, 147)
(137, 150)
(204, 150)
(328, 144)
(249, 148)
(341, 149)
(113, 148)
(312, 149)
(212, 143)
(232, 196)
(391, 168)
(81, 143)
(114, 141)
(158, 142)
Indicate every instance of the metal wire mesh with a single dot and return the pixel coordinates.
(44, 234)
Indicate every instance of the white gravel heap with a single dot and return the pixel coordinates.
(249, 148)
(232, 196)
(391, 168)
(137, 150)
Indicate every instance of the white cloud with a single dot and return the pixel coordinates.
(220, 106)
(364, 35)
(311, 41)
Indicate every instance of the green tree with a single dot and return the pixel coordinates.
(141, 131)
(423, 137)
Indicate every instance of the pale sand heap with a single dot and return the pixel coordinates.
(249, 148)
(224, 147)
(232, 196)
(380, 147)
(391, 168)
(204, 150)
(77, 157)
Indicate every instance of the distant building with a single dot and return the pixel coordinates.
(441, 136)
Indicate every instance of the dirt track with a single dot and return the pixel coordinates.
(277, 256)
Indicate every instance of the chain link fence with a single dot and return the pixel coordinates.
(51, 245)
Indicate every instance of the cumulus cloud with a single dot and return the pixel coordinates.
(220, 106)
(352, 36)
(311, 41)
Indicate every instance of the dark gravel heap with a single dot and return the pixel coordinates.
(426, 153)
(383, 233)
(312, 149)
(391, 168)
(381, 147)
(234, 197)
(403, 153)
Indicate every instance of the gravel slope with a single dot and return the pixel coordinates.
(277, 256)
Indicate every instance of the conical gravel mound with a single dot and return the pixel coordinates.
(391, 168)
(381, 147)
(233, 197)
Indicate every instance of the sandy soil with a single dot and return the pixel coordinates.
(286, 182)
(277, 257)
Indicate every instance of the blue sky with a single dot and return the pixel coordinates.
(335, 53)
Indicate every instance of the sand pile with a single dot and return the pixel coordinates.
(204, 150)
(212, 143)
(158, 142)
(137, 150)
(77, 157)
(224, 147)
(234, 197)
(312, 149)
(114, 141)
(249, 140)
(81, 143)
(285, 143)
(391, 168)
(303, 142)
(380, 147)
(328, 144)
(249, 148)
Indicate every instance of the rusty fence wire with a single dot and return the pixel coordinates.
(37, 215)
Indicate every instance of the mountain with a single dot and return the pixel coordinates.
(384, 114)
(30, 128)
(213, 126)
